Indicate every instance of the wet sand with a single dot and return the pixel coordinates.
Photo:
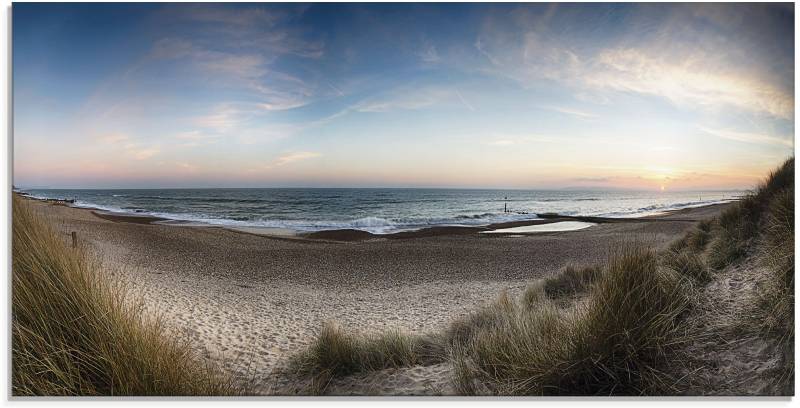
(249, 300)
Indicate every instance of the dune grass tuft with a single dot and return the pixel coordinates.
(739, 225)
(687, 263)
(732, 233)
(75, 333)
(698, 237)
(776, 300)
(777, 255)
(337, 353)
(613, 344)
(571, 280)
(487, 318)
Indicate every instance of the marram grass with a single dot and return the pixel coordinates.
(75, 333)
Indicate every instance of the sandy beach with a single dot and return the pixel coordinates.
(250, 300)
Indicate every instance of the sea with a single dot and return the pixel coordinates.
(377, 210)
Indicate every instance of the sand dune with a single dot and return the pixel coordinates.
(250, 301)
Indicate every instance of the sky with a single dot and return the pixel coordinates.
(638, 96)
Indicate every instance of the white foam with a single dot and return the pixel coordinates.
(551, 227)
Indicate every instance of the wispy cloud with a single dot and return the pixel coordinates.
(291, 158)
(572, 112)
(749, 137)
(246, 70)
(114, 138)
(137, 152)
(429, 55)
(223, 118)
(239, 123)
(686, 80)
(514, 140)
(464, 101)
(414, 98)
(675, 63)
(128, 145)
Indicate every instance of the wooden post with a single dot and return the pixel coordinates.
(74, 239)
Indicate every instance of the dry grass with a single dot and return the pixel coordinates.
(776, 255)
(698, 237)
(737, 227)
(336, 353)
(615, 343)
(688, 263)
(571, 280)
(732, 234)
(74, 333)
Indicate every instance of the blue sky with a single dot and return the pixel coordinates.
(458, 95)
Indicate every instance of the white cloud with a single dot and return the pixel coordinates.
(570, 111)
(141, 153)
(429, 55)
(222, 119)
(748, 137)
(706, 73)
(413, 98)
(291, 158)
(464, 101)
(129, 146)
(114, 138)
(144, 154)
(513, 140)
(686, 80)
(185, 166)
(282, 105)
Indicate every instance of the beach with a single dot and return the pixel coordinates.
(250, 300)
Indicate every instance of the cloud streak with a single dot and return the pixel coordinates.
(290, 158)
(680, 64)
(749, 137)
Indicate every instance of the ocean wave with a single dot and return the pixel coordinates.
(375, 225)
(662, 208)
(316, 211)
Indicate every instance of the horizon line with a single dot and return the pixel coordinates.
(573, 188)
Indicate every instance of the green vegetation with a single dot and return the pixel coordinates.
(75, 333)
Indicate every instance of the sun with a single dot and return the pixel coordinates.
(662, 188)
